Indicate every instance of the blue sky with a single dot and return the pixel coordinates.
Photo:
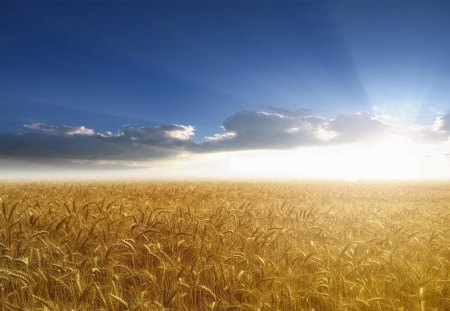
(111, 65)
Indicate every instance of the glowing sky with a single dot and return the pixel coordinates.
(346, 90)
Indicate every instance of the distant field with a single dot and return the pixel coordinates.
(225, 246)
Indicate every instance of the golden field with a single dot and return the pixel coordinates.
(224, 246)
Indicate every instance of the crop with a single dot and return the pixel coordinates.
(224, 246)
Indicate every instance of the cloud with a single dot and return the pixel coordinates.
(81, 143)
(442, 124)
(245, 130)
(60, 130)
(266, 130)
(292, 113)
(438, 131)
(220, 137)
(358, 127)
(164, 135)
(282, 128)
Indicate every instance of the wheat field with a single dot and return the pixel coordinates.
(224, 246)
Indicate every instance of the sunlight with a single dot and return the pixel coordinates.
(383, 163)
(393, 159)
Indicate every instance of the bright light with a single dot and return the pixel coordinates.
(384, 162)
(394, 158)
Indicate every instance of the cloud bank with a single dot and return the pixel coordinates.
(81, 143)
(274, 129)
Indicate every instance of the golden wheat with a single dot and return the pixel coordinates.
(224, 246)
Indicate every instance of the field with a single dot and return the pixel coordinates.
(224, 246)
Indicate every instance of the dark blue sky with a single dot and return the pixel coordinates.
(105, 64)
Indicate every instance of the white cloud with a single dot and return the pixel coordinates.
(438, 131)
(442, 124)
(158, 134)
(61, 130)
(220, 137)
(182, 132)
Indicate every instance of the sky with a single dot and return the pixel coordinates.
(231, 89)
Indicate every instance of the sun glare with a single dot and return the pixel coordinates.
(383, 163)
(393, 159)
